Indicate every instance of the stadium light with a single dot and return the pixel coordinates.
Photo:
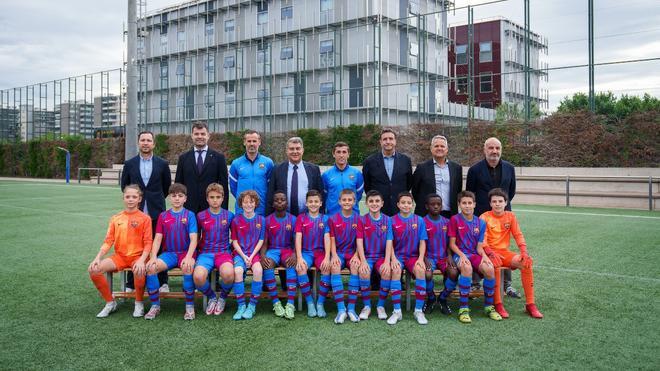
(68, 163)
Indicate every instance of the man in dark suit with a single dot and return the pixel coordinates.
(200, 167)
(292, 178)
(152, 174)
(440, 176)
(493, 172)
(388, 172)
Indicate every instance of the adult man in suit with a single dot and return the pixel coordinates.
(152, 174)
(493, 172)
(295, 177)
(200, 167)
(388, 172)
(438, 175)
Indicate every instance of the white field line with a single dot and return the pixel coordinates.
(46, 211)
(102, 187)
(585, 214)
(603, 274)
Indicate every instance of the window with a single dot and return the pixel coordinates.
(287, 12)
(163, 44)
(414, 49)
(262, 6)
(262, 12)
(486, 82)
(230, 99)
(209, 18)
(163, 69)
(286, 100)
(181, 36)
(210, 105)
(461, 54)
(163, 28)
(230, 62)
(461, 85)
(210, 29)
(326, 46)
(413, 7)
(163, 106)
(413, 97)
(326, 94)
(229, 25)
(209, 67)
(486, 51)
(286, 52)
(486, 105)
(180, 108)
(326, 5)
(262, 102)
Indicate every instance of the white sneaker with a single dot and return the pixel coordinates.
(341, 317)
(220, 306)
(164, 288)
(353, 317)
(365, 312)
(381, 313)
(210, 306)
(395, 317)
(190, 314)
(138, 312)
(420, 317)
(109, 308)
(128, 289)
(152, 313)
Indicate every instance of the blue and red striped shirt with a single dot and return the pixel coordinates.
(468, 234)
(280, 233)
(176, 228)
(248, 232)
(436, 230)
(313, 230)
(406, 233)
(374, 235)
(215, 231)
(344, 230)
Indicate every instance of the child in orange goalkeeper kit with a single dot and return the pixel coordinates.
(500, 226)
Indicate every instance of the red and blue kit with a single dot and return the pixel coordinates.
(438, 242)
(176, 228)
(406, 234)
(375, 233)
(344, 230)
(248, 232)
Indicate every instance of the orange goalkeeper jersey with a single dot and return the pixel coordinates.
(130, 232)
(499, 230)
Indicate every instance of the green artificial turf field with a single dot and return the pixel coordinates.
(597, 282)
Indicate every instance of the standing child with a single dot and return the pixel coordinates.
(313, 247)
(278, 246)
(130, 233)
(375, 251)
(214, 250)
(466, 236)
(176, 233)
(247, 231)
(409, 237)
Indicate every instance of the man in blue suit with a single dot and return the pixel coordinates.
(152, 174)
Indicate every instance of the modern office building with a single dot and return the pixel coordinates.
(36, 123)
(9, 125)
(497, 54)
(109, 111)
(75, 118)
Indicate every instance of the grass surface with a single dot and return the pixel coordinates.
(597, 282)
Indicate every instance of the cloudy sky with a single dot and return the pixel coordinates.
(44, 40)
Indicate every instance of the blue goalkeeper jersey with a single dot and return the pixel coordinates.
(250, 175)
(335, 181)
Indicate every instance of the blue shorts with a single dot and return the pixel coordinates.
(279, 256)
(345, 259)
(308, 257)
(375, 263)
(434, 264)
(172, 259)
(204, 260)
(239, 262)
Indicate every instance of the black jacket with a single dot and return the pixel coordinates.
(213, 171)
(159, 183)
(424, 184)
(480, 183)
(375, 177)
(278, 179)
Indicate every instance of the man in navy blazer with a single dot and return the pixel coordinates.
(308, 177)
(389, 172)
(491, 172)
(438, 176)
(200, 167)
(152, 174)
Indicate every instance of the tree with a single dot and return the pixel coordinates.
(512, 112)
(608, 105)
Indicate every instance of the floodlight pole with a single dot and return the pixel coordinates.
(68, 163)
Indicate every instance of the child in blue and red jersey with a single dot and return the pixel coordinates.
(466, 237)
(313, 247)
(278, 246)
(409, 238)
(214, 249)
(375, 251)
(343, 227)
(247, 231)
(176, 234)
(437, 255)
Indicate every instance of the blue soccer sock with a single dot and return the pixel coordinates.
(239, 290)
(207, 290)
(464, 289)
(152, 289)
(430, 287)
(450, 285)
(305, 288)
(383, 292)
(365, 288)
(291, 288)
(489, 290)
(225, 289)
(271, 285)
(338, 291)
(396, 294)
(420, 293)
(189, 290)
(324, 287)
(353, 289)
(256, 292)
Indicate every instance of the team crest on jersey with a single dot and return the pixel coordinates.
(134, 223)
(351, 177)
(414, 226)
(507, 225)
(321, 225)
(262, 166)
(224, 221)
(353, 226)
(476, 230)
(184, 220)
(383, 228)
(288, 227)
(258, 225)
(444, 228)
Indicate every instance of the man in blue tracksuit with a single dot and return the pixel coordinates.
(251, 171)
(339, 177)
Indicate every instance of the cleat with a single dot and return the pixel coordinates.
(289, 311)
(128, 289)
(353, 316)
(210, 306)
(190, 314)
(107, 309)
(311, 310)
(464, 315)
(533, 311)
(444, 307)
(512, 293)
(341, 317)
(429, 304)
(492, 313)
(320, 311)
(220, 306)
(239, 312)
(395, 317)
(249, 311)
(420, 317)
(278, 309)
(365, 312)
(153, 312)
(381, 313)
(164, 288)
(138, 312)
(499, 308)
